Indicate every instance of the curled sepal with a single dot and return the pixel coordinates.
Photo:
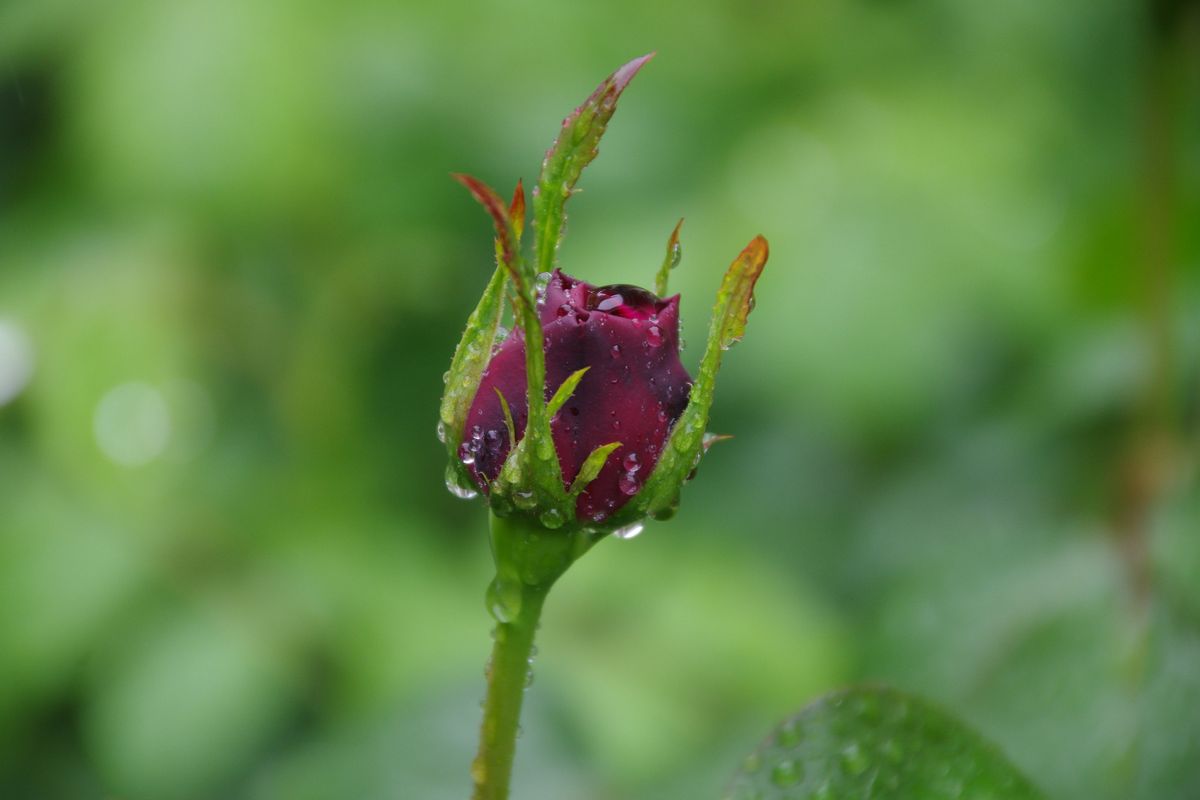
(573, 150)
(591, 467)
(506, 236)
(516, 210)
(687, 444)
(670, 261)
(467, 366)
(565, 390)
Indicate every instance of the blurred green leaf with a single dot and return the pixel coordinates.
(876, 742)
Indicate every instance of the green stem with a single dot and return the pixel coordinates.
(529, 559)
(507, 674)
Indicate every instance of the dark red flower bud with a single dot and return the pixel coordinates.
(633, 392)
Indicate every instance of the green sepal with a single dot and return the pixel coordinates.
(564, 391)
(591, 467)
(670, 261)
(508, 417)
(573, 150)
(470, 359)
(686, 444)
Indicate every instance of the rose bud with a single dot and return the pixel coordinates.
(634, 390)
(583, 418)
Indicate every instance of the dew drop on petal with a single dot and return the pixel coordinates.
(628, 484)
(654, 336)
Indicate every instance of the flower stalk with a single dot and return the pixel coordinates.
(529, 559)
(580, 423)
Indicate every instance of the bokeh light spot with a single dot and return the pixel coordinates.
(131, 424)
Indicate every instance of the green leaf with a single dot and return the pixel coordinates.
(686, 445)
(670, 261)
(591, 467)
(573, 150)
(564, 391)
(877, 742)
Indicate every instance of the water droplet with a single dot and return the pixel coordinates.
(853, 760)
(628, 484)
(616, 351)
(563, 310)
(786, 773)
(528, 678)
(666, 513)
(524, 499)
(466, 453)
(610, 302)
(456, 485)
(552, 518)
(654, 336)
(441, 431)
(446, 376)
(503, 599)
(629, 531)
(630, 462)
(789, 734)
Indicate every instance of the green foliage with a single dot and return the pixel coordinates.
(243, 208)
(872, 742)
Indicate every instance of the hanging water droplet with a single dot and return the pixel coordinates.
(441, 431)
(629, 531)
(446, 376)
(454, 482)
(552, 518)
(786, 773)
(503, 599)
(664, 514)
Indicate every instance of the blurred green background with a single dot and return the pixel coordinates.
(233, 269)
